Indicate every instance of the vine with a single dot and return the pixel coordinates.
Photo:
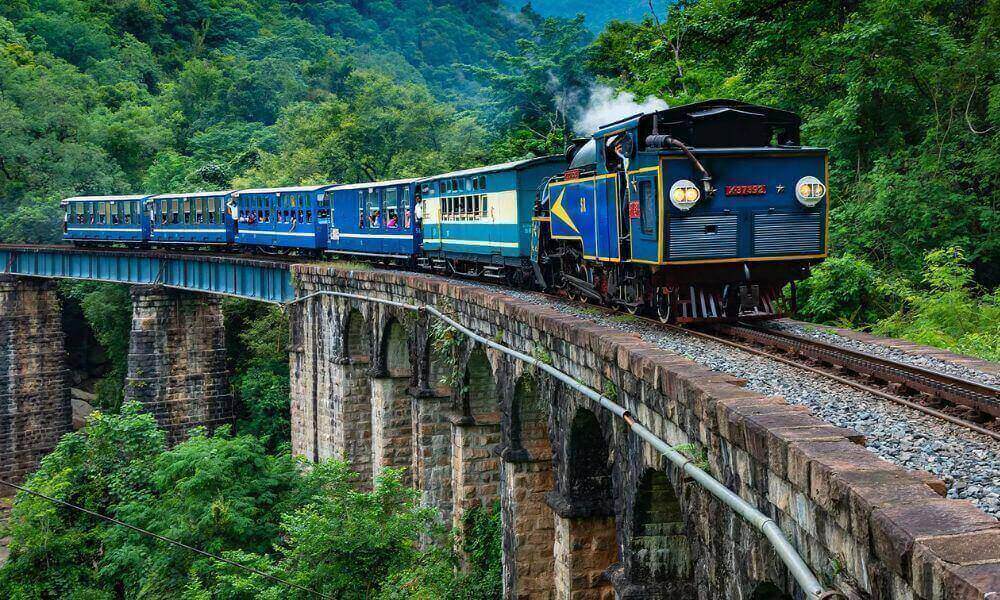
(446, 344)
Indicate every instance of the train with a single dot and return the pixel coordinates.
(696, 213)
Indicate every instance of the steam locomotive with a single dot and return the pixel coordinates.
(695, 213)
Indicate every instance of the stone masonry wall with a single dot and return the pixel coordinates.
(35, 408)
(177, 360)
(868, 528)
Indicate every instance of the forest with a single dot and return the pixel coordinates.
(154, 96)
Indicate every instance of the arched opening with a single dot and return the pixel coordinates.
(475, 436)
(660, 553)
(396, 350)
(479, 393)
(526, 480)
(392, 406)
(586, 541)
(587, 462)
(768, 591)
(358, 343)
(530, 419)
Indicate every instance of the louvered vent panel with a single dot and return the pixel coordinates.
(787, 234)
(710, 236)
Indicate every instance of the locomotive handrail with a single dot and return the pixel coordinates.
(766, 525)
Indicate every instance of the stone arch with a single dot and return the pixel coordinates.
(391, 404)
(659, 551)
(586, 538)
(479, 393)
(357, 337)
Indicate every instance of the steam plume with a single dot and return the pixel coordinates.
(606, 106)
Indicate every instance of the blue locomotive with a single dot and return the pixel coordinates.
(696, 213)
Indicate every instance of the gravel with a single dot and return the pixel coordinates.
(968, 462)
(929, 362)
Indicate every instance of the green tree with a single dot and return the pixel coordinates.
(55, 551)
(536, 90)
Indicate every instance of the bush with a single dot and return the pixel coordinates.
(847, 291)
(948, 310)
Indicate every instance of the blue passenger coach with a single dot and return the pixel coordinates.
(283, 218)
(375, 219)
(478, 221)
(200, 218)
(114, 219)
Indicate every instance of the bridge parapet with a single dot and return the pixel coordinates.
(872, 529)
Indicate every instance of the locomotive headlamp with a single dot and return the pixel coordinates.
(684, 194)
(810, 191)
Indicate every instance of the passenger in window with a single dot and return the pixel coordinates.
(393, 221)
(309, 216)
(407, 219)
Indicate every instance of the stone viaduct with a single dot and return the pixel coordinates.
(588, 510)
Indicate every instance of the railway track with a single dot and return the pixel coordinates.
(970, 404)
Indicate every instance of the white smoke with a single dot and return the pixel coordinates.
(607, 106)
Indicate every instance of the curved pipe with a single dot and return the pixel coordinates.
(664, 141)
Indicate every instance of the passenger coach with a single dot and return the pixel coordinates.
(195, 219)
(282, 219)
(478, 221)
(375, 219)
(105, 219)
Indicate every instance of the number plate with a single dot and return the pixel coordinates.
(746, 190)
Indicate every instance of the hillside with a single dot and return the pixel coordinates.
(132, 96)
(598, 12)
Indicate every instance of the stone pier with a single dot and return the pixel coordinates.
(35, 409)
(177, 360)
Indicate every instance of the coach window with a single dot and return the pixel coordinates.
(482, 182)
(392, 208)
(647, 206)
(127, 213)
(407, 211)
(374, 215)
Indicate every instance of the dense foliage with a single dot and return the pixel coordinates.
(257, 345)
(100, 97)
(226, 495)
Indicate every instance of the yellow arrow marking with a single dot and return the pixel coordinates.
(559, 211)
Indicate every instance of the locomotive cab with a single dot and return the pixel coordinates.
(700, 212)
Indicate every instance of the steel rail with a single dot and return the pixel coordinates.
(798, 365)
(979, 396)
(848, 382)
(766, 525)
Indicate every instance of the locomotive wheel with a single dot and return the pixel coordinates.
(630, 297)
(664, 307)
